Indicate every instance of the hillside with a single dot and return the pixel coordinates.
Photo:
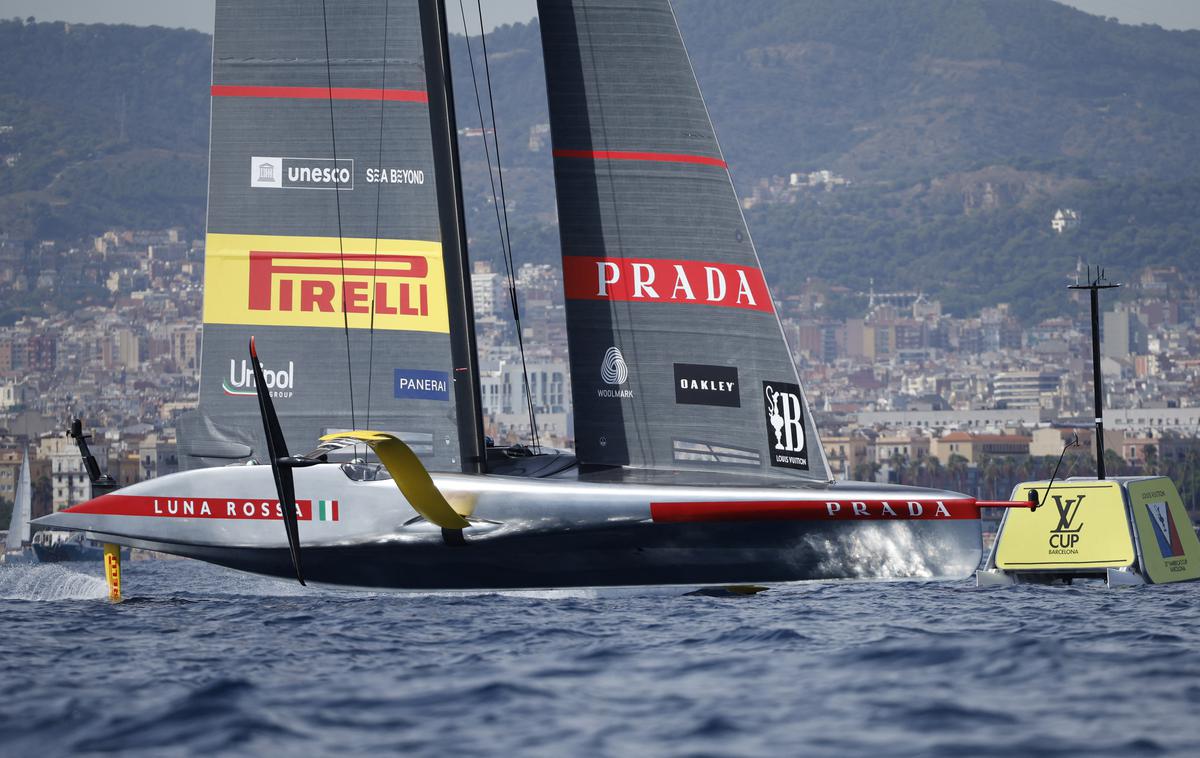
(109, 126)
(910, 89)
(960, 124)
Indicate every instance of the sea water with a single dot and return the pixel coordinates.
(201, 660)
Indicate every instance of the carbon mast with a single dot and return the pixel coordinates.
(454, 236)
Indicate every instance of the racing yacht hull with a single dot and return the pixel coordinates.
(543, 533)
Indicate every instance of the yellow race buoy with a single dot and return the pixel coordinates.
(1124, 530)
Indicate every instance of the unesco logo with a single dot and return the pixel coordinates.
(273, 172)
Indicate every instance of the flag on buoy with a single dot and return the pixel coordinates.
(1164, 529)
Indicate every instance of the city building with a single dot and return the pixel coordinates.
(1026, 389)
(975, 447)
(10, 471)
(847, 452)
(69, 482)
(908, 447)
(1123, 335)
(1064, 219)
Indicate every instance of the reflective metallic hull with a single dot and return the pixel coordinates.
(541, 533)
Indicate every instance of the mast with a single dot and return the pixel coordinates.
(454, 236)
(1094, 285)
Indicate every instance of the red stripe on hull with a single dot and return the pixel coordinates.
(237, 508)
(320, 93)
(631, 155)
(808, 510)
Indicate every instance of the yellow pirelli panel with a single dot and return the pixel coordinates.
(304, 281)
(1079, 525)
(1170, 549)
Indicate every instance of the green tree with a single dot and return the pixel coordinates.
(1150, 466)
(990, 469)
(866, 471)
(934, 471)
(1114, 464)
(897, 462)
(957, 466)
(41, 496)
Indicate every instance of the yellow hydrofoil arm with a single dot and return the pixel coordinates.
(112, 571)
(410, 476)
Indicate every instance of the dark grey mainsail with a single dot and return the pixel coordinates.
(323, 232)
(678, 360)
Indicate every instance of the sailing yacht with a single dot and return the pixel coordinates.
(336, 254)
(17, 544)
(47, 545)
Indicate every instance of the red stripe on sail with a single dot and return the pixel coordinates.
(650, 280)
(320, 93)
(631, 155)
(810, 510)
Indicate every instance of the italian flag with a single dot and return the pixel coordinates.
(327, 510)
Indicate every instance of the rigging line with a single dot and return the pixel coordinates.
(512, 286)
(378, 206)
(502, 227)
(337, 194)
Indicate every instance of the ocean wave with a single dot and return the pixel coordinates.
(201, 660)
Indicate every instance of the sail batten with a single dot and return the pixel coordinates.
(678, 359)
(636, 155)
(320, 93)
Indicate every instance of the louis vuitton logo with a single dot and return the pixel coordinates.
(1066, 513)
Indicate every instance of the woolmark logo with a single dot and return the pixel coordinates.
(615, 372)
(240, 382)
(302, 173)
(785, 425)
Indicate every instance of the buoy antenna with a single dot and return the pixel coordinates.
(1094, 285)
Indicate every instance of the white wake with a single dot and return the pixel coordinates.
(889, 551)
(49, 581)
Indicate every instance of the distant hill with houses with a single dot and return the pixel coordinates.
(949, 132)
